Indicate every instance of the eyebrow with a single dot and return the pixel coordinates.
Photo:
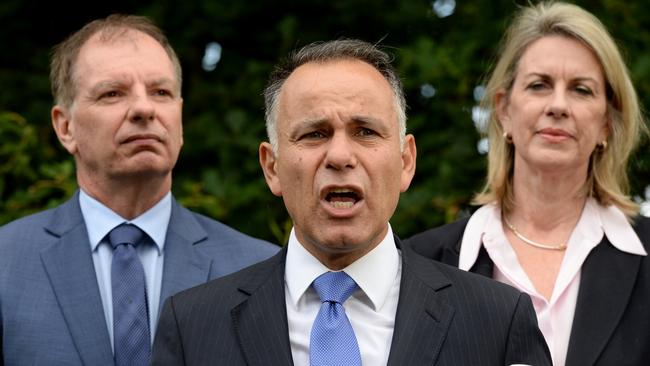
(357, 119)
(120, 82)
(106, 84)
(547, 76)
(161, 81)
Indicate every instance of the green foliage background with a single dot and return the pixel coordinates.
(218, 173)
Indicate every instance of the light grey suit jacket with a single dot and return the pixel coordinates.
(50, 306)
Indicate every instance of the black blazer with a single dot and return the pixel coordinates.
(444, 317)
(612, 319)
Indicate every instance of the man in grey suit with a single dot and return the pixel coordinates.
(66, 295)
(344, 291)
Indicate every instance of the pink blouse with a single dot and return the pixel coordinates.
(555, 316)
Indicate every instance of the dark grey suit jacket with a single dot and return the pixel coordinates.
(612, 320)
(444, 317)
(50, 307)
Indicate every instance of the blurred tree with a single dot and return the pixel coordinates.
(442, 57)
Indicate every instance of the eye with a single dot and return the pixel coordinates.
(366, 132)
(536, 85)
(110, 94)
(313, 135)
(163, 92)
(581, 89)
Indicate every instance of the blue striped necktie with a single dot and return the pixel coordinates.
(131, 336)
(332, 338)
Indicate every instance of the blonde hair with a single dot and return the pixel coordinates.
(607, 178)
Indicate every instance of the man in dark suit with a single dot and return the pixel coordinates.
(344, 291)
(81, 284)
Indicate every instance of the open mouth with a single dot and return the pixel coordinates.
(342, 197)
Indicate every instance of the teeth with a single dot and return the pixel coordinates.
(341, 204)
(340, 190)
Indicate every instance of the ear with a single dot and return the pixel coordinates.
(64, 128)
(501, 109)
(181, 127)
(409, 155)
(269, 165)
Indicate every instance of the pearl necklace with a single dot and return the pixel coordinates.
(532, 242)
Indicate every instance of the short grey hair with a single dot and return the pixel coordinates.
(322, 52)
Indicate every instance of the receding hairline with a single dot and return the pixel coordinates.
(338, 60)
(122, 35)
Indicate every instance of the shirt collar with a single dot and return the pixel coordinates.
(473, 235)
(302, 269)
(609, 220)
(153, 222)
(618, 229)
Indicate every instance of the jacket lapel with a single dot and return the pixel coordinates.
(451, 253)
(423, 318)
(606, 283)
(260, 319)
(184, 266)
(69, 266)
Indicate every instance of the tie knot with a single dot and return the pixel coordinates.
(334, 286)
(125, 234)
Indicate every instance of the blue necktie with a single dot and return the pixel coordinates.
(332, 338)
(131, 335)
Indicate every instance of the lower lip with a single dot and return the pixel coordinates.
(339, 212)
(144, 141)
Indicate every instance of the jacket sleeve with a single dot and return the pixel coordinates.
(167, 345)
(526, 344)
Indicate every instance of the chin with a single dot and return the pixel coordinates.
(144, 171)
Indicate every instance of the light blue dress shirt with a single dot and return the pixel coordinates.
(100, 220)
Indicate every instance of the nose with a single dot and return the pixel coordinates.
(142, 108)
(558, 106)
(340, 153)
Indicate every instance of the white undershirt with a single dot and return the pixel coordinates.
(371, 308)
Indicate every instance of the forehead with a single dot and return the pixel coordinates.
(124, 51)
(559, 53)
(344, 85)
(338, 89)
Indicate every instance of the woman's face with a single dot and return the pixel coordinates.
(556, 110)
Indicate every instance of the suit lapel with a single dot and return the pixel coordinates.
(423, 318)
(184, 266)
(260, 320)
(606, 282)
(69, 266)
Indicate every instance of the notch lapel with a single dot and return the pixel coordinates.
(606, 283)
(260, 320)
(423, 318)
(184, 266)
(69, 266)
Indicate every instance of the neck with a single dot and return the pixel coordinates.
(546, 200)
(338, 256)
(128, 198)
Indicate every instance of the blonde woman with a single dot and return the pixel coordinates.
(555, 220)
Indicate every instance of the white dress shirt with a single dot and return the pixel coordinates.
(555, 316)
(371, 308)
(100, 220)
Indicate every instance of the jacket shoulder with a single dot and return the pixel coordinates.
(433, 243)
(225, 292)
(231, 237)
(641, 226)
